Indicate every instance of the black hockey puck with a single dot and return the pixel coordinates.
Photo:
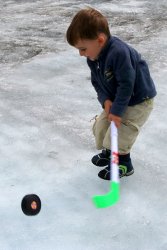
(31, 204)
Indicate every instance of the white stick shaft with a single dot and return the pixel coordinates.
(114, 153)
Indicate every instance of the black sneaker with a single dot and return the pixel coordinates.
(125, 169)
(102, 159)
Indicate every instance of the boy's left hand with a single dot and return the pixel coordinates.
(116, 119)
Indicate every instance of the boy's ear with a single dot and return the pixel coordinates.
(101, 39)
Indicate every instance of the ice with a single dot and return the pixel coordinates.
(46, 143)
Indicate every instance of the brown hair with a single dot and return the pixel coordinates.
(87, 24)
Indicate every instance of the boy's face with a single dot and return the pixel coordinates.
(90, 48)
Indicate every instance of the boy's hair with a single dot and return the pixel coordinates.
(87, 24)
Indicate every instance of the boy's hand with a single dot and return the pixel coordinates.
(116, 119)
(107, 106)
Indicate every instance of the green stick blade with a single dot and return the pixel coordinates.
(109, 199)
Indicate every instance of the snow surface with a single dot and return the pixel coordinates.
(46, 104)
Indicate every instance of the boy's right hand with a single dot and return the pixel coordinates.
(107, 106)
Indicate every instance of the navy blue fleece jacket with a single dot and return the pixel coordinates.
(120, 75)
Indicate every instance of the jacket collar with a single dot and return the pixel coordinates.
(105, 49)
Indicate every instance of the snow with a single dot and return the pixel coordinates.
(46, 143)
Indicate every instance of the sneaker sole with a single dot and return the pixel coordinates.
(101, 162)
(125, 175)
(128, 174)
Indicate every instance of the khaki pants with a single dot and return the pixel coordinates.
(132, 121)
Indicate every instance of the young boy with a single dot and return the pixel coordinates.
(122, 82)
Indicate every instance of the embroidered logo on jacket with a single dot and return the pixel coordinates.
(108, 75)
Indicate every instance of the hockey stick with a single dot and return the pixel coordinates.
(112, 197)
